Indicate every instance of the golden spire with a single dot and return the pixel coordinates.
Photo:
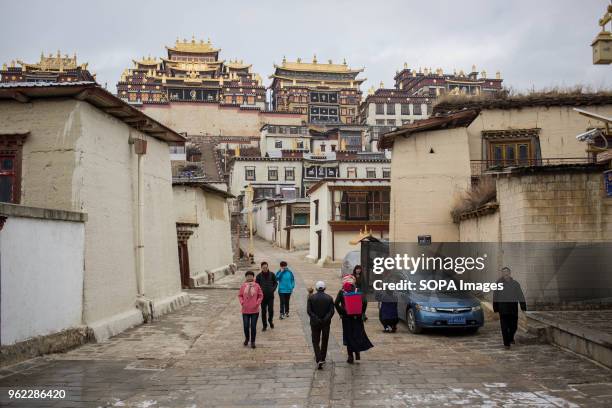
(483, 74)
(474, 68)
(344, 61)
(371, 90)
(284, 60)
(498, 75)
(314, 59)
(382, 85)
(405, 65)
(299, 60)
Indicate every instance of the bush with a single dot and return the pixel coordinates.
(477, 196)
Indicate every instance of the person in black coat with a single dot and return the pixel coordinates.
(267, 281)
(353, 331)
(505, 302)
(358, 275)
(387, 313)
(320, 308)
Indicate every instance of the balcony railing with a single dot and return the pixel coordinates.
(479, 167)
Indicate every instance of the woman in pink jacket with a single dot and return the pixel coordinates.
(250, 297)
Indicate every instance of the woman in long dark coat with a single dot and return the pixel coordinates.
(353, 332)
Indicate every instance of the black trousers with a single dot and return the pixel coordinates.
(509, 324)
(267, 310)
(320, 338)
(284, 302)
(249, 323)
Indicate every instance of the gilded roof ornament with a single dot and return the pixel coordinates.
(498, 75)
(382, 85)
(474, 68)
(314, 59)
(405, 65)
(483, 74)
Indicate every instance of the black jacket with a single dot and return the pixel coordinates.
(320, 308)
(268, 283)
(505, 301)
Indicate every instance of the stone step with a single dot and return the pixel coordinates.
(574, 336)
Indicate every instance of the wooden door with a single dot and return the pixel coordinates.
(183, 253)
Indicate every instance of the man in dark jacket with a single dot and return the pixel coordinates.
(320, 307)
(505, 302)
(268, 283)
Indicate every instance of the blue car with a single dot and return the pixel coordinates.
(432, 309)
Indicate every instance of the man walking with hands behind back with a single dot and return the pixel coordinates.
(268, 283)
(505, 303)
(320, 308)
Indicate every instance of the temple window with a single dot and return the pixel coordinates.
(10, 167)
(249, 173)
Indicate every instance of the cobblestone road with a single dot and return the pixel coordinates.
(195, 358)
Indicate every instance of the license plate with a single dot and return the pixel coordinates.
(456, 320)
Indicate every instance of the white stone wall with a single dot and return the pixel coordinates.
(554, 207)
(264, 227)
(41, 288)
(558, 128)
(210, 245)
(484, 228)
(324, 196)
(268, 142)
(78, 158)
(362, 168)
(397, 118)
(237, 174)
(429, 171)
(213, 119)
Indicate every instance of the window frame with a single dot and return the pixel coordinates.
(246, 173)
(270, 170)
(292, 169)
(11, 146)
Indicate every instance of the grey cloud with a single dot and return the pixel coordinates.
(533, 43)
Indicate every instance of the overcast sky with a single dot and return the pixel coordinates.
(534, 43)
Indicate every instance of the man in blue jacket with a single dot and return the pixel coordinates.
(286, 283)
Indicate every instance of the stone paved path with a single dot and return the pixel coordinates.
(195, 358)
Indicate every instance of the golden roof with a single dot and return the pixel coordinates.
(237, 64)
(317, 81)
(193, 46)
(53, 62)
(147, 61)
(316, 67)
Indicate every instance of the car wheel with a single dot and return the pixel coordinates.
(411, 321)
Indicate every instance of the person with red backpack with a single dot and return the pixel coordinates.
(350, 306)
